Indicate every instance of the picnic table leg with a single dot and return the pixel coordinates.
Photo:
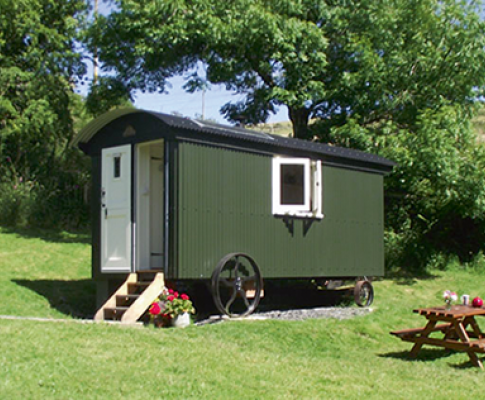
(426, 331)
(463, 335)
(450, 333)
(476, 329)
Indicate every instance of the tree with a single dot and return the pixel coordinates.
(401, 58)
(435, 197)
(39, 62)
(369, 60)
(106, 94)
(395, 77)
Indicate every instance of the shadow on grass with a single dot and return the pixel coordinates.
(50, 235)
(467, 365)
(409, 278)
(424, 355)
(431, 355)
(76, 298)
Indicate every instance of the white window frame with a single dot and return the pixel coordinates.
(317, 190)
(312, 205)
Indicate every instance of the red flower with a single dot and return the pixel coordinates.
(184, 297)
(155, 309)
(171, 298)
(176, 294)
(170, 291)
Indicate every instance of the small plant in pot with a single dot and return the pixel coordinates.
(171, 308)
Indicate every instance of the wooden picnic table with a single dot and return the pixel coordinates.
(458, 327)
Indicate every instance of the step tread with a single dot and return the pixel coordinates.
(140, 283)
(129, 296)
(117, 308)
(114, 313)
(126, 300)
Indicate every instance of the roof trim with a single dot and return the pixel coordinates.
(87, 133)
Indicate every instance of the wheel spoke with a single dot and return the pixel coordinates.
(236, 268)
(227, 282)
(246, 301)
(231, 300)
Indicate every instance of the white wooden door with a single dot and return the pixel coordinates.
(116, 209)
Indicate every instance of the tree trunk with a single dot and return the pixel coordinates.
(299, 118)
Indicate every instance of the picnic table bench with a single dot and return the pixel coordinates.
(460, 329)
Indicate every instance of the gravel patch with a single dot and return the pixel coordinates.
(339, 313)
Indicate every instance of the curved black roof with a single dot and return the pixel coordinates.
(241, 135)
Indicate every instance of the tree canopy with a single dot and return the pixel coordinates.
(39, 61)
(369, 60)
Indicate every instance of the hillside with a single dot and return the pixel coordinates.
(276, 128)
(285, 129)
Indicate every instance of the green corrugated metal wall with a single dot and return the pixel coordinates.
(224, 205)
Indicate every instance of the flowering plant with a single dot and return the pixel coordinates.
(449, 296)
(170, 304)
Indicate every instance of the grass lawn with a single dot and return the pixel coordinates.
(313, 359)
(45, 274)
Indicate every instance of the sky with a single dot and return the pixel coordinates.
(188, 104)
(192, 105)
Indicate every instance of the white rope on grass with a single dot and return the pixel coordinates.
(77, 321)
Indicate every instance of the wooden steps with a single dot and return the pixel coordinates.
(137, 287)
(126, 299)
(132, 298)
(115, 313)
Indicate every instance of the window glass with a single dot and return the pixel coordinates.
(117, 166)
(292, 184)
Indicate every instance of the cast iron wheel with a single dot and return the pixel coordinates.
(363, 293)
(234, 274)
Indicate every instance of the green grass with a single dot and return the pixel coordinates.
(45, 274)
(313, 359)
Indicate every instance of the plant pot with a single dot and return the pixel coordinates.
(181, 321)
(161, 322)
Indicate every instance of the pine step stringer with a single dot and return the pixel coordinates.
(132, 298)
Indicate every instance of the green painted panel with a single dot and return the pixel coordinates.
(224, 205)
